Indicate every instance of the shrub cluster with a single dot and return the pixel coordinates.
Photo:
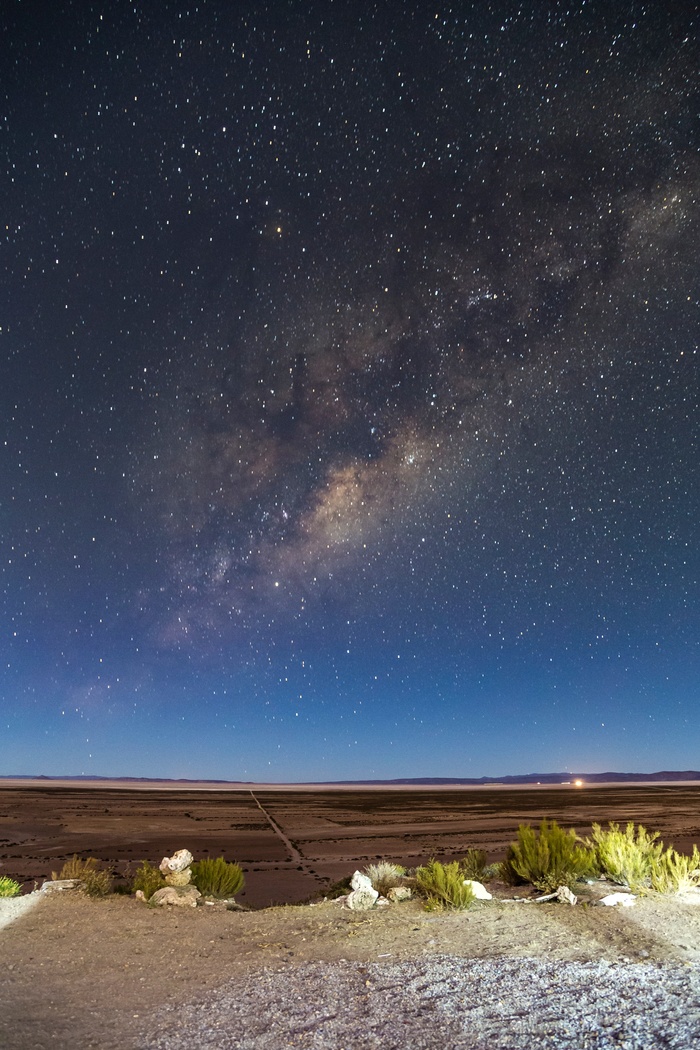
(8, 887)
(625, 857)
(443, 886)
(148, 879)
(217, 878)
(550, 859)
(94, 880)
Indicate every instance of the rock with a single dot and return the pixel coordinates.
(625, 899)
(479, 890)
(361, 882)
(140, 896)
(179, 878)
(180, 860)
(181, 896)
(565, 896)
(399, 893)
(56, 885)
(361, 899)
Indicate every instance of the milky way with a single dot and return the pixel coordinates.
(343, 336)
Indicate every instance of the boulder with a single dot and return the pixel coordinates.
(179, 878)
(361, 882)
(180, 860)
(479, 890)
(362, 899)
(180, 896)
(56, 885)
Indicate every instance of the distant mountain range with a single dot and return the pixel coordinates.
(518, 778)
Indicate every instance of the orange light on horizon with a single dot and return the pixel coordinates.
(578, 783)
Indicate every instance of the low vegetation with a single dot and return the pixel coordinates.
(673, 872)
(217, 878)
(147, 879)
(8, 887)
(626, 857)
(442, 886)
(384, 875)
(551, 858)
(94, 880)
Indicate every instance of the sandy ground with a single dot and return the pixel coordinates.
(117, 973)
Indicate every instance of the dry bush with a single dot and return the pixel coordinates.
(94, 880)
(673, 872)
(148, 879)
(442, 886)
(384, 875)
(217, 877)
(550, 859)
(626, 857)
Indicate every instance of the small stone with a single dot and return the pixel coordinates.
(612, 899)
(479, 890)
(399, 893)
(57, 885)
(565, 896)
(140, 896)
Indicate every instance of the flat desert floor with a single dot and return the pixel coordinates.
(293, 842)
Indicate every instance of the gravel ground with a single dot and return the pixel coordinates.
(444, 1002)
(12, 907)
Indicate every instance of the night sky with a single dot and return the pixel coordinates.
(349, 388)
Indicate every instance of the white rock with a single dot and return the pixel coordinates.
(361, 882)
(56, 885)
(362, 899)
(479, 890)
(565, 896)
(624, 899)
(180, 860)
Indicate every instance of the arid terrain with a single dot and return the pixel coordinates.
(293, 842)
(115, 974)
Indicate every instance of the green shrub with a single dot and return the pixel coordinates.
(384, 875)
(217, 878)
(148, 879)
(673, 872)
(473, 864)
(550, 859)
(8, 887)
(442, 885)
(626, 857)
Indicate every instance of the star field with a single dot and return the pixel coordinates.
(350, 389)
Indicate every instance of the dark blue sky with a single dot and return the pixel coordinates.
(350, 389)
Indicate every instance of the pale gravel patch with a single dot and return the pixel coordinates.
(443, 1003)
(12, 908)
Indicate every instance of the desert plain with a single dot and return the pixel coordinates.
(293, 841)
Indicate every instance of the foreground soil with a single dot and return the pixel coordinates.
(79, 972)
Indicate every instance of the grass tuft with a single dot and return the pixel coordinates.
(8, 887)
(217, 877)
(442, 886)
(384, 875)
(550, 859)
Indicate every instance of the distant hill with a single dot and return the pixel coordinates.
(518, 778)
